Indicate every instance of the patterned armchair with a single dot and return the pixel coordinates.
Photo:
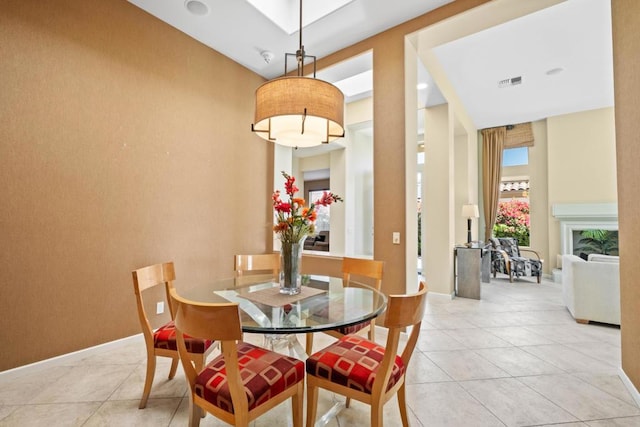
(506, 258)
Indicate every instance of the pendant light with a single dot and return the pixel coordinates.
(299, 111)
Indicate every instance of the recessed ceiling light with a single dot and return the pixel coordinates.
(196, 7)
(554, 71)
(422, 86)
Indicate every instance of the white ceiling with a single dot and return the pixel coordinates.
(238, 30)
(574, 35)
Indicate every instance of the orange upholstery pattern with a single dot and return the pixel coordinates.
(165, 337)
(352, 361)
(264, 374)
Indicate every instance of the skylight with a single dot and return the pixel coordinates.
(286, 13)
(357, 84)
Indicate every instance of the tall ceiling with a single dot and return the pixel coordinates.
(560, 55)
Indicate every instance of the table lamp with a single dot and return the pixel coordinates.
(470, 211)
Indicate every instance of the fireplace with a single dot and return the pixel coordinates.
(574, 218)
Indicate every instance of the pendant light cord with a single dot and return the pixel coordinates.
(300, 53)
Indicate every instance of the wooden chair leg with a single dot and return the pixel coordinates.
(539, 278)
(376, 414)
(309, 344)
(148, 381)
(402, 403)
(174, 367)
(194, 413)
(297, 405)
(312, 403)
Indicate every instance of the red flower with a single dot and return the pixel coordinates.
(289, 185)
(282, 207)
(328, 198)
(294, 220)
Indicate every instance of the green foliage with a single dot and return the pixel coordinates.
(513, 221)
(598, 242)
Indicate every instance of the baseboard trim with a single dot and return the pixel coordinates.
(438, 295)
(66, 358)
(630, 387)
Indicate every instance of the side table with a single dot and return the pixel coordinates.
(471, 266)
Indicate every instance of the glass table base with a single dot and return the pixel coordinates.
(290, 341)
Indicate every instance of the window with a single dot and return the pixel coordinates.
(513, 218)
(515, 156)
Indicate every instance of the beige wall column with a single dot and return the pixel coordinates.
(466, 182)
(389, 161)
(438, 201)
(626, 59)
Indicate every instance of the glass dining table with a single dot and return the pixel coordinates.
(323, 304)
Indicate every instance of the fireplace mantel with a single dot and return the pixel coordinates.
(585, 211)
(583, 216)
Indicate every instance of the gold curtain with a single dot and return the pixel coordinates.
(492, 146)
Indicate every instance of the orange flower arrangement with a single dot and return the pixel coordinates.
(294, 220)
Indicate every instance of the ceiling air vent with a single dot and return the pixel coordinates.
(513, 81)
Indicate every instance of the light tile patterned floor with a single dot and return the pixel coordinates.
(514, 358)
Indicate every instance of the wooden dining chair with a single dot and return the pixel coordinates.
(363, 370)
(265, 263)
(162, 341)
(245, 381)
(361, 268)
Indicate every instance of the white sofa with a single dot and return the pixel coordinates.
(591, 289)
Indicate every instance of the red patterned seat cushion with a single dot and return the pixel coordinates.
(352, 361)
(165, 337)
(264, 374)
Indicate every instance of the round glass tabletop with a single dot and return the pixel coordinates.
(324, 303)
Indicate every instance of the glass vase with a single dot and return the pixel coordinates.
(290, 260)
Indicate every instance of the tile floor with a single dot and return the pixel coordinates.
(515, 358)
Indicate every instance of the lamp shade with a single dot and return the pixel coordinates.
(470, 211)
(299, 111)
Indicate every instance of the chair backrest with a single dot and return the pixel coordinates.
(362, 268)
(148, 277)
(510, 246)
(254, 263)
(402, 311)
(220, 322)
(215, 321)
